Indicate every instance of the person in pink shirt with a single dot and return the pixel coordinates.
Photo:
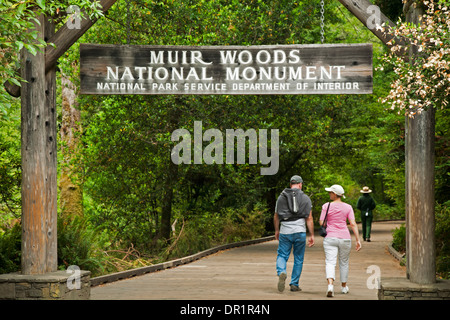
(337, 242)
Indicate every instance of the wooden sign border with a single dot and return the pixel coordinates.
(230, 70)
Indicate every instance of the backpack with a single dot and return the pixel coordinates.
(298, 205)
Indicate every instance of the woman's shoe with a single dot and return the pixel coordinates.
(344, 290)
(330, 291)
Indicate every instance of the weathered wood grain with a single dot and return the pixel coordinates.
(278, 69)
(39, 193)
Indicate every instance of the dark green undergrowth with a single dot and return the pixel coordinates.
(442, 235)
(93, 249)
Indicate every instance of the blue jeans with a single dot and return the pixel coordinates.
(297, 242)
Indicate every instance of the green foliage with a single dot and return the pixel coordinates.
(442, 234)
(442, 161)
(399, 239)
(80, 245)
(207, 230)
(17, 32)
(248, 22)
(10, 170)
(384, 211)
(392, 9)
(10, 246)
(129, 177)
(442, 212)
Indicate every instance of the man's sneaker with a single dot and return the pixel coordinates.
(330, 291)
(281, 281)
(295, 288)
(344, 290)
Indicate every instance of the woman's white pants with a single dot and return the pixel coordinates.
(337, 248)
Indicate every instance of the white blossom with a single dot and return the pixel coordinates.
(425, 81)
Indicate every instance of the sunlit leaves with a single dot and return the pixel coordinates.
(424, 81)
(18, 19)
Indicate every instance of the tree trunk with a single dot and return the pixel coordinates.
(39, 163)
(166, 214)
(171, 178)
(70, 182)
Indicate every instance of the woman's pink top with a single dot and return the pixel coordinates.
(336, 223)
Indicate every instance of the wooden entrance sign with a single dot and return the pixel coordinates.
(277, 69)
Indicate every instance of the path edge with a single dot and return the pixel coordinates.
(401, 257)
(173, 263)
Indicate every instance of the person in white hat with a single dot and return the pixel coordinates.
(338, 241)
(366, 204)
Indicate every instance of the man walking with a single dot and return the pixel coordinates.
(366, 204)
(292, 216)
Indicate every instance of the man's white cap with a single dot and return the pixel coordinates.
(337, 189)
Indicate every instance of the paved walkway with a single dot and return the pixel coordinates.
(248, 273)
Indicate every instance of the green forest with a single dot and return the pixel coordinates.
(122, 202)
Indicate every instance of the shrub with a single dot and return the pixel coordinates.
(387, 212)
(10, 249)
(212, 229)
(399, 238)
(442, 234)
(78, 245)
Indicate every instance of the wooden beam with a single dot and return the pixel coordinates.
(363, 10)
(65, 37)
(63, 40)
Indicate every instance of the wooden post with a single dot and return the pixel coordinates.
(419, 164)
(419, 160)
(39, 189)
(419, 183)
(39, 161)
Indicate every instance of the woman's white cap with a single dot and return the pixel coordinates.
(337, 189)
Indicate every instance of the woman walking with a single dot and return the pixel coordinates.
(337, 242)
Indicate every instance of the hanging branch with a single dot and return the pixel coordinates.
(62, 40)
(172, 246)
